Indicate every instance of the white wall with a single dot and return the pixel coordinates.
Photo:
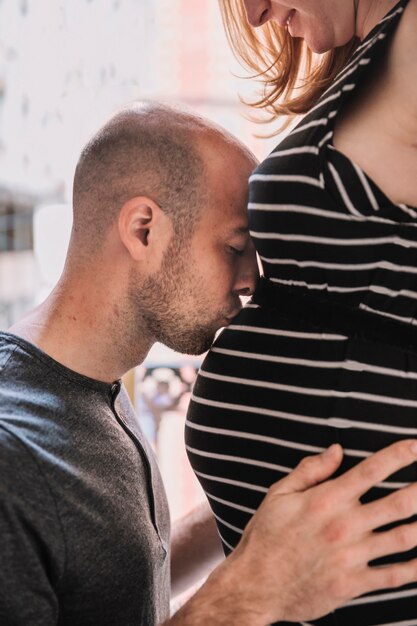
(66, 65)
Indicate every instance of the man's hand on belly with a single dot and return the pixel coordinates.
(306, 551)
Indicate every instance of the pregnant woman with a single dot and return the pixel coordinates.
(326, 350)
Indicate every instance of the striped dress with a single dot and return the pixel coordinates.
(331, 356)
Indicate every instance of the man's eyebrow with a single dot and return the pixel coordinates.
(240, 230)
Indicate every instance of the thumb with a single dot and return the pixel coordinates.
(311, 471)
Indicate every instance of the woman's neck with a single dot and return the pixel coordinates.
(369, 13)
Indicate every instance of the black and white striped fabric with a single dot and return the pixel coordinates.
(276, 387)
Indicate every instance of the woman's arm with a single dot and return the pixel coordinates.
(195, 548)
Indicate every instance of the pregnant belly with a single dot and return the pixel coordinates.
(273, 390)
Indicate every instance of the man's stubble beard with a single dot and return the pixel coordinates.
(160, 304)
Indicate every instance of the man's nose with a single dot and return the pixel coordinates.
(257, 11)
(249, 274)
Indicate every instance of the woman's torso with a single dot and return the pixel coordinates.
(275, 386)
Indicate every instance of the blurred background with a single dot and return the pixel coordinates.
(65, 67)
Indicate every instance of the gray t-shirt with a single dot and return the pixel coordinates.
(84, 523)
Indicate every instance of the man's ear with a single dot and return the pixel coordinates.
(142, 226)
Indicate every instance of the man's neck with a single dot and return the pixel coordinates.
(84, 330)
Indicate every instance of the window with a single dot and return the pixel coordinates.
(16, 227)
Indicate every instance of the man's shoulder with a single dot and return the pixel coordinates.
(23, 402)
(29, 391)
(7, 349)
(22, 485)
(16, 460)
(16, 360)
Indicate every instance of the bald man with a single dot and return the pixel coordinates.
(159, 251)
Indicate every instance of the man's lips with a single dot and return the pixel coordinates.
(230, 317)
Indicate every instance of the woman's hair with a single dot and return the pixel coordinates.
(293, 77)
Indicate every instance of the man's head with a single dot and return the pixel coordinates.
(145, 150)
(160, 198)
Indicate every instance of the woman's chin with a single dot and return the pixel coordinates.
(317, 46)
(320, 45)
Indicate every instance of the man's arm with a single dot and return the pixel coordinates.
(306, 550)
(195, 548)
(32, 551)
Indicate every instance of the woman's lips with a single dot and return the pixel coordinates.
(285, 22)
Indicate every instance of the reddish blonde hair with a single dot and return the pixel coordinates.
(293, 77)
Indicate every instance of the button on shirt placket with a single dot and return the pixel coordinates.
(114, 392)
